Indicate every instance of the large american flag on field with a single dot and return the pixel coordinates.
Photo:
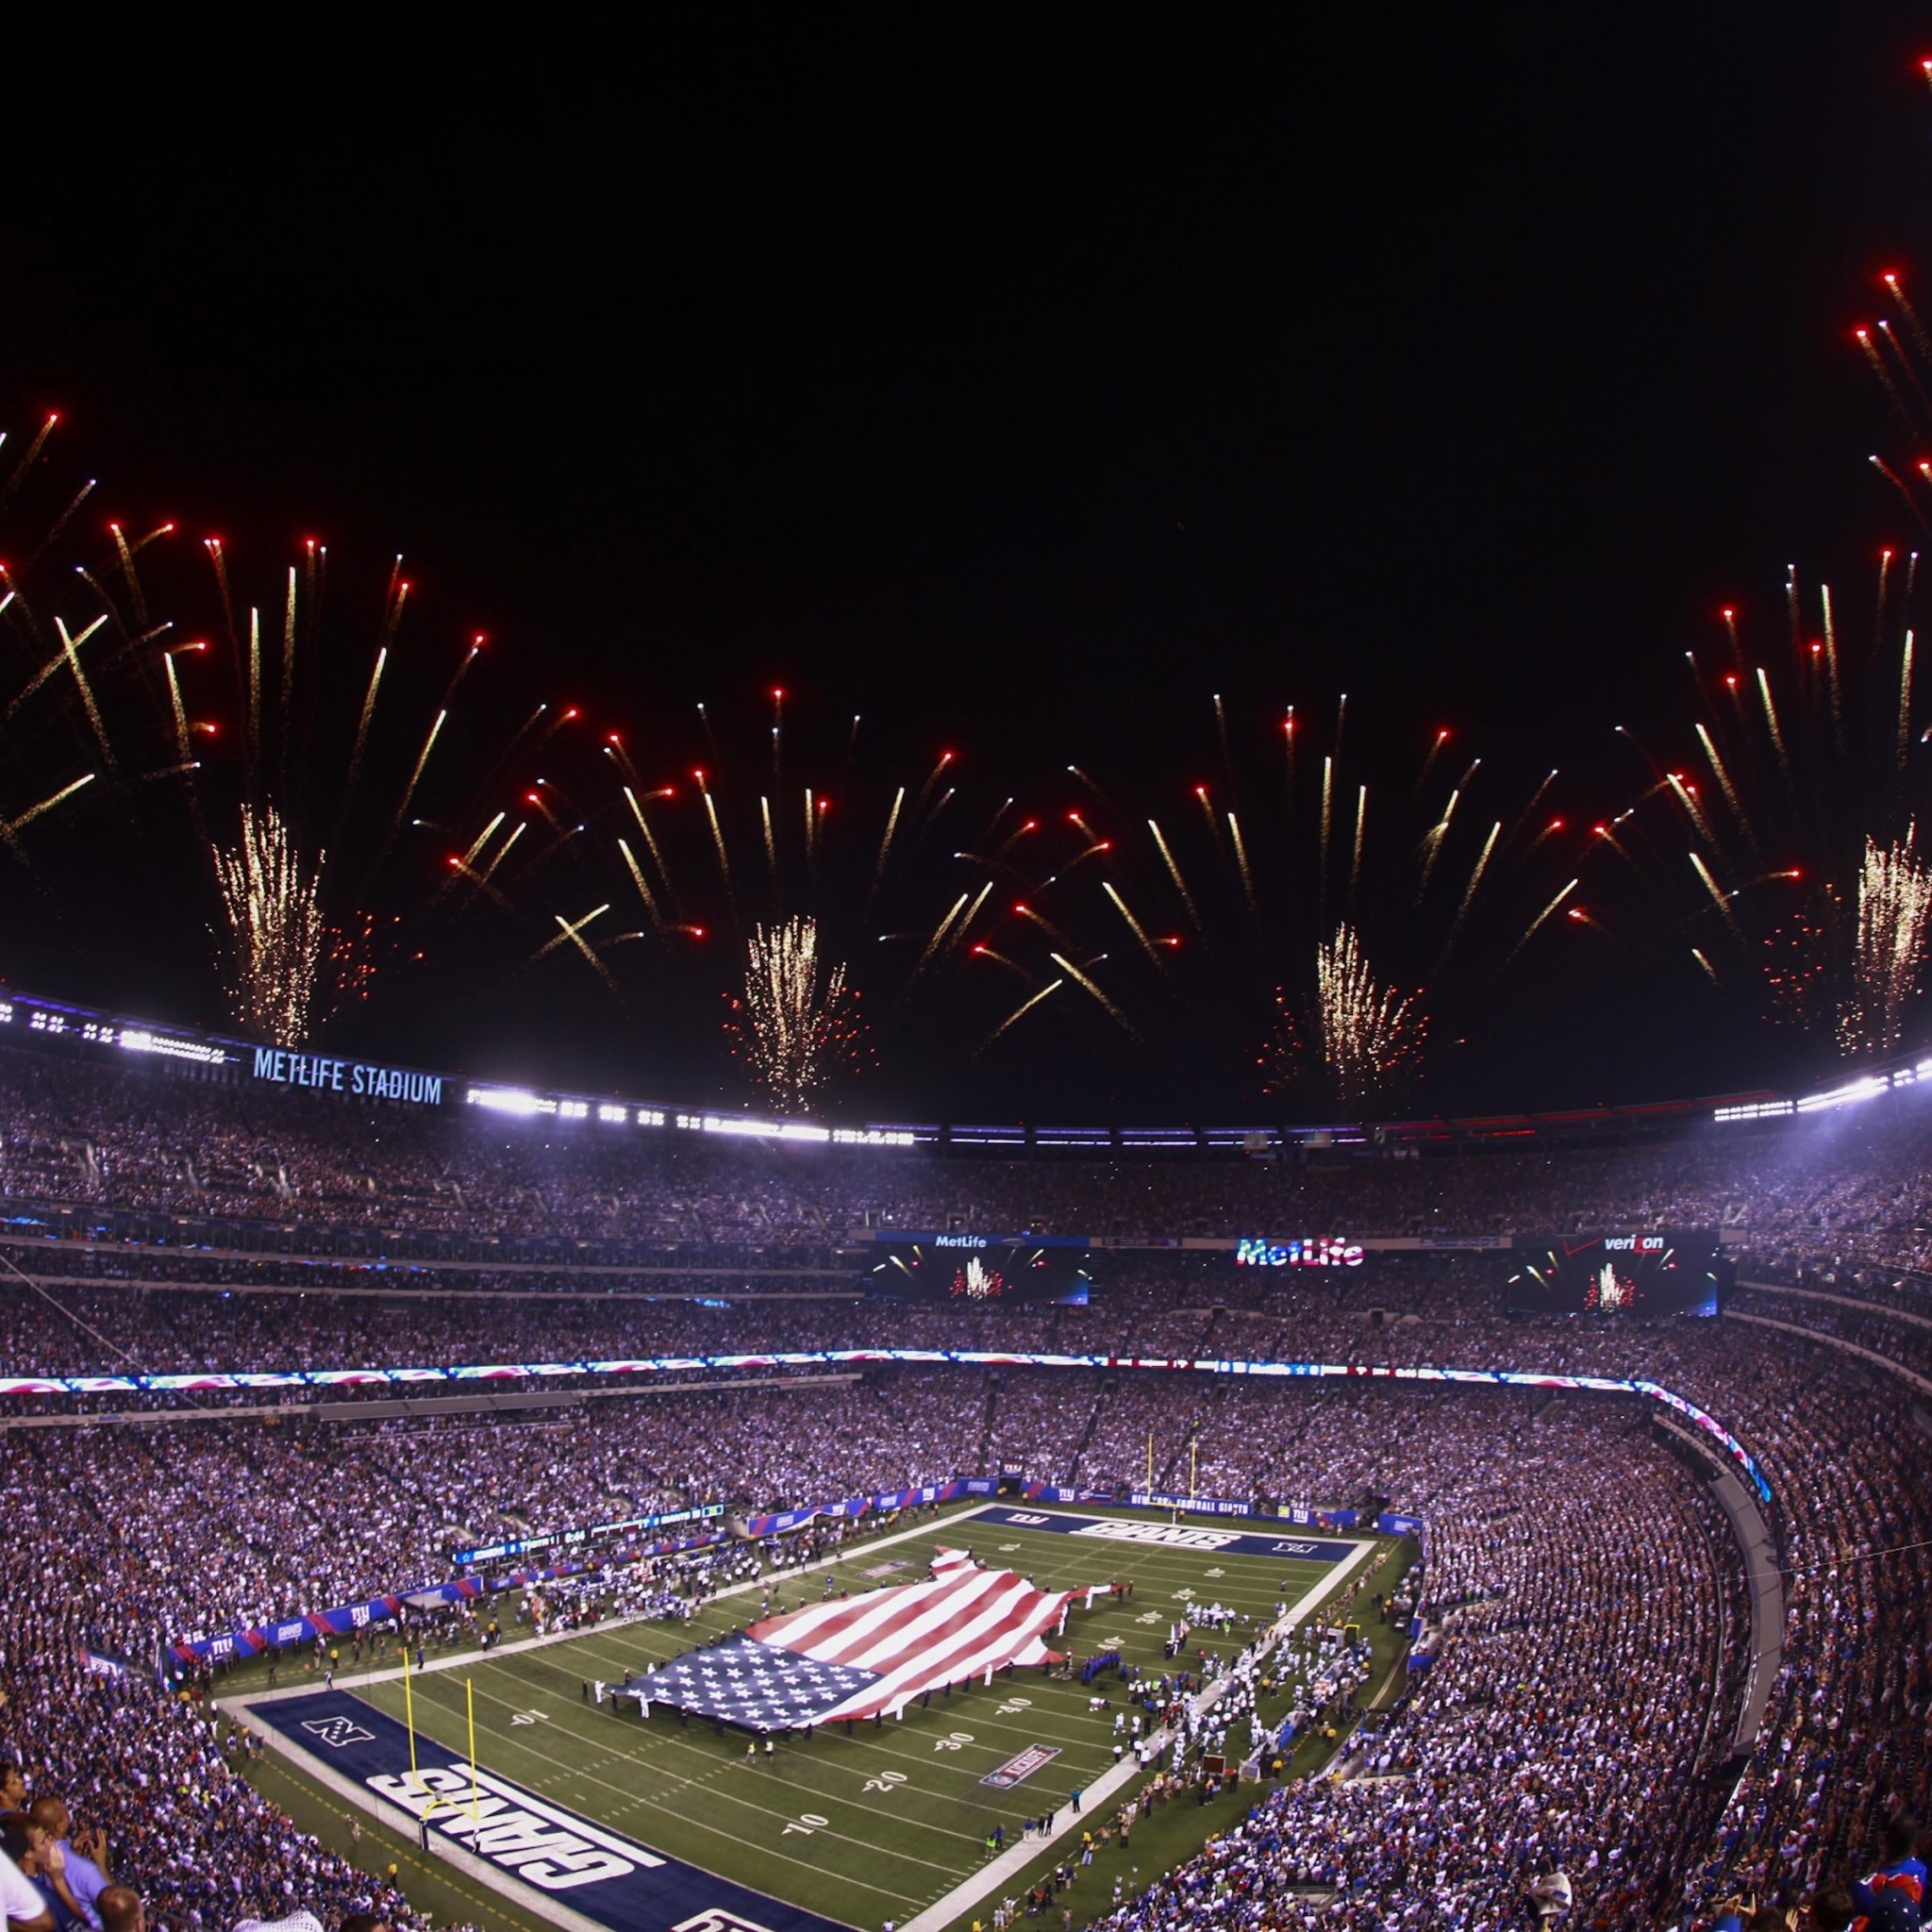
(866, 1655)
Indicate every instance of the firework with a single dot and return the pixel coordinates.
(1790, 841)
(316, 735)
(1785, 840)
(1252, 915)
(793, 1025)
(1283, 1059)
(779, 832)
(272, 901)
(1371, 1034)
(75, 653)
(1895, 910)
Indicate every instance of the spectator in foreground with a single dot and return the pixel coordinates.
(121, 1910)
(21, 1903)
(77, 1874)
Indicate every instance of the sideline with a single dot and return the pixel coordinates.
(1005, 1869)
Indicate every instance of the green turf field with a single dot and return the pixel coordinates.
(885, 1823)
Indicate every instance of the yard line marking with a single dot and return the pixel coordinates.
(650, 1765)
(529, 1748)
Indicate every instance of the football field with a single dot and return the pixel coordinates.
(888, 1820)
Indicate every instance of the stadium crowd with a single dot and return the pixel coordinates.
(1853, 1189)
(1591, 1602)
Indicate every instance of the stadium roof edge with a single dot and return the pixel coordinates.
(36, 1022)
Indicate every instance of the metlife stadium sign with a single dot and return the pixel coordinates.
(354, 1077)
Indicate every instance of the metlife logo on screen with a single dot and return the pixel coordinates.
(1326, 1250)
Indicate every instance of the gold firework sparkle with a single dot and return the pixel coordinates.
(794, 1028)
(1371, 1034)
(1786, 834)
(1895, 910)
(272, 899)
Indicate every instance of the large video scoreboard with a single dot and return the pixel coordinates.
(1675, 1272)
(968, 1268)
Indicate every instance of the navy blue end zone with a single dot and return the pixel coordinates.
(594, 1872)
(1171, 1536)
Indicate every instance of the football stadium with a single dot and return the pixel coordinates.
(1081, 1075)
(782, 1591)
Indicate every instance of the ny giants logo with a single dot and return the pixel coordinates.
(338, 1731)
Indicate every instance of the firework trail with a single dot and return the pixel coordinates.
(21, 821)
(1785, 839)
(1285, 901)
(794, 1026)
(1026, 1006)
(1096, 990)
(570, 932)
(272, 900)
(79, 654)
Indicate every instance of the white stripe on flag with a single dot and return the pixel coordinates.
(989, 1641)
(876, 1648)
(857, 1621)
(932, 1631)
(798, 1628)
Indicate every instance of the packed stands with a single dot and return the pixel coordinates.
(1850, 1190)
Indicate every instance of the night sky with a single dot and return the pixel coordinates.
(1020, 384)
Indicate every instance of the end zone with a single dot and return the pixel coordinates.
(580, 1876)
(1176, 1536)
